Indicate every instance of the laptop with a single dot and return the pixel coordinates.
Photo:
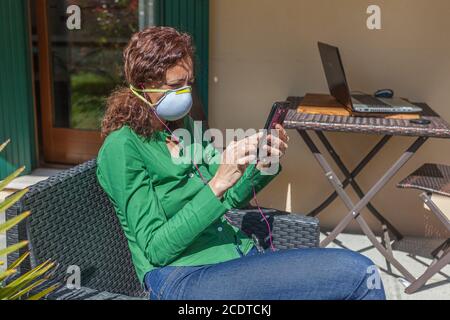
(339, 89)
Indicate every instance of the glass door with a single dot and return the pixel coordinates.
(78, 69)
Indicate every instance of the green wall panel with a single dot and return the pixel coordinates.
(191, 16)
(16, 98)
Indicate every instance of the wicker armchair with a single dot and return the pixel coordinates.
(74, 223)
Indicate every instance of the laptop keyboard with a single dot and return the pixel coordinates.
(370, 100)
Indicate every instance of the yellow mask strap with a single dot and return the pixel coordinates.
(151, 90)
(187, 89)
(137, 94)
(184, 90)
(136, 91)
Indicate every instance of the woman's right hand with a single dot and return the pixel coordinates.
(235, 160)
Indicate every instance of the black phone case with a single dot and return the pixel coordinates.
(277, 114)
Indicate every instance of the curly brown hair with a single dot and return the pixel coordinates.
(147, 57)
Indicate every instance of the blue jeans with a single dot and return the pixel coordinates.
(292, 274)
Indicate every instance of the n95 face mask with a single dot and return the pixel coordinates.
(173, 105)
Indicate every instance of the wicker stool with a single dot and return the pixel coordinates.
(434, 180)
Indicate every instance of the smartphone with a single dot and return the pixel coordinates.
(277, 114)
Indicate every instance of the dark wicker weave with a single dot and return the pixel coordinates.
(74, 223)
(438, 128)
(429, 177)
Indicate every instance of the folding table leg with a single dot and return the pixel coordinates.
(431, 271)
(437, 253)
(386, 254)
(374, 190)
(358, 169)
(351, 179)
(355, 209)
(442, 250)
(386, 242)
(367, 231)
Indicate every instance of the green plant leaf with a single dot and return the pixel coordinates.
(3, 146)
(38, 271)
(12, 199)
(27, 289)
(43, 293)
(24, 284)
(7, 273)
(13, 248)
(14, 221)
(18, 284)
(11, 177)
(17, 263)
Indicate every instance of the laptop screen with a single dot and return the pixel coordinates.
(335, 74)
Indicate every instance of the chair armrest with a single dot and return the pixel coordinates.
(288, 230)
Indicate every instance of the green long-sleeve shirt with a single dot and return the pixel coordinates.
(168, 214)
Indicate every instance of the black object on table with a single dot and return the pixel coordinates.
(420, 121)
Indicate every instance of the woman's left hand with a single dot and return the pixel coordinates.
(275, 146)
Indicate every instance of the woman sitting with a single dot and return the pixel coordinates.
(172, 212)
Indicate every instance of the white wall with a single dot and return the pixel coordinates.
(263, 51)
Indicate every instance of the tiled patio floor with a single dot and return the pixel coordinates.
(413, 253)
